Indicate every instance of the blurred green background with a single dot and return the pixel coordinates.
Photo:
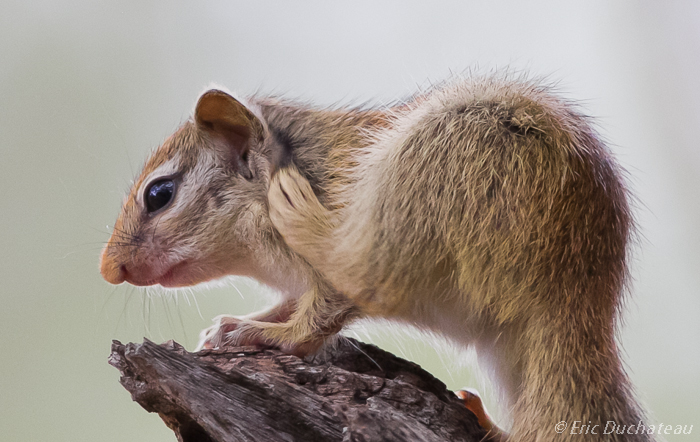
(87, 88)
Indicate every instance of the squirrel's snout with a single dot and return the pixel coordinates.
(111, 271)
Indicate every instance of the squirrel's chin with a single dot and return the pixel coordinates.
(176, 276)
(179, 275)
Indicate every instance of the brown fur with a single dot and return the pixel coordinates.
(486, 209)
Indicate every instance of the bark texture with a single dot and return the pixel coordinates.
(349, 392)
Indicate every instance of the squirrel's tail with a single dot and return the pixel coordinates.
(573, 384)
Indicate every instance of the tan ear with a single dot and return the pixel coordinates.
(220, 113)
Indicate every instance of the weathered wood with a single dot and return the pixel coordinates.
(348, 392)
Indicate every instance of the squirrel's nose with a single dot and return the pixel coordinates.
(111, 271)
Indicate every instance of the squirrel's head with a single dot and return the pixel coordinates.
(198, 209)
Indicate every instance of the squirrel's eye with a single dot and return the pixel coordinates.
(159, 194)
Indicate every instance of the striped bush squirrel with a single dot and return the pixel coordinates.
(485, 209)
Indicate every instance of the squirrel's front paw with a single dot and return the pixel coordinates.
(297, 214)
(229, 331)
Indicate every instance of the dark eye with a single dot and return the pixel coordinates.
(159, 194)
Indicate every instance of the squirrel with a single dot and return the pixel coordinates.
(485, 209)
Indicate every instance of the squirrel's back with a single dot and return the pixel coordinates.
(489, 177)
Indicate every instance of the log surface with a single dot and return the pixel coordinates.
(348, 392)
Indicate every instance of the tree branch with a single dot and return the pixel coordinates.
(348, 392)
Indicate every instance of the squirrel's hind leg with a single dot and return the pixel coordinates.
(474, 404)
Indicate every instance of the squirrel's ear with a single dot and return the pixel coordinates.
(220, 113)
